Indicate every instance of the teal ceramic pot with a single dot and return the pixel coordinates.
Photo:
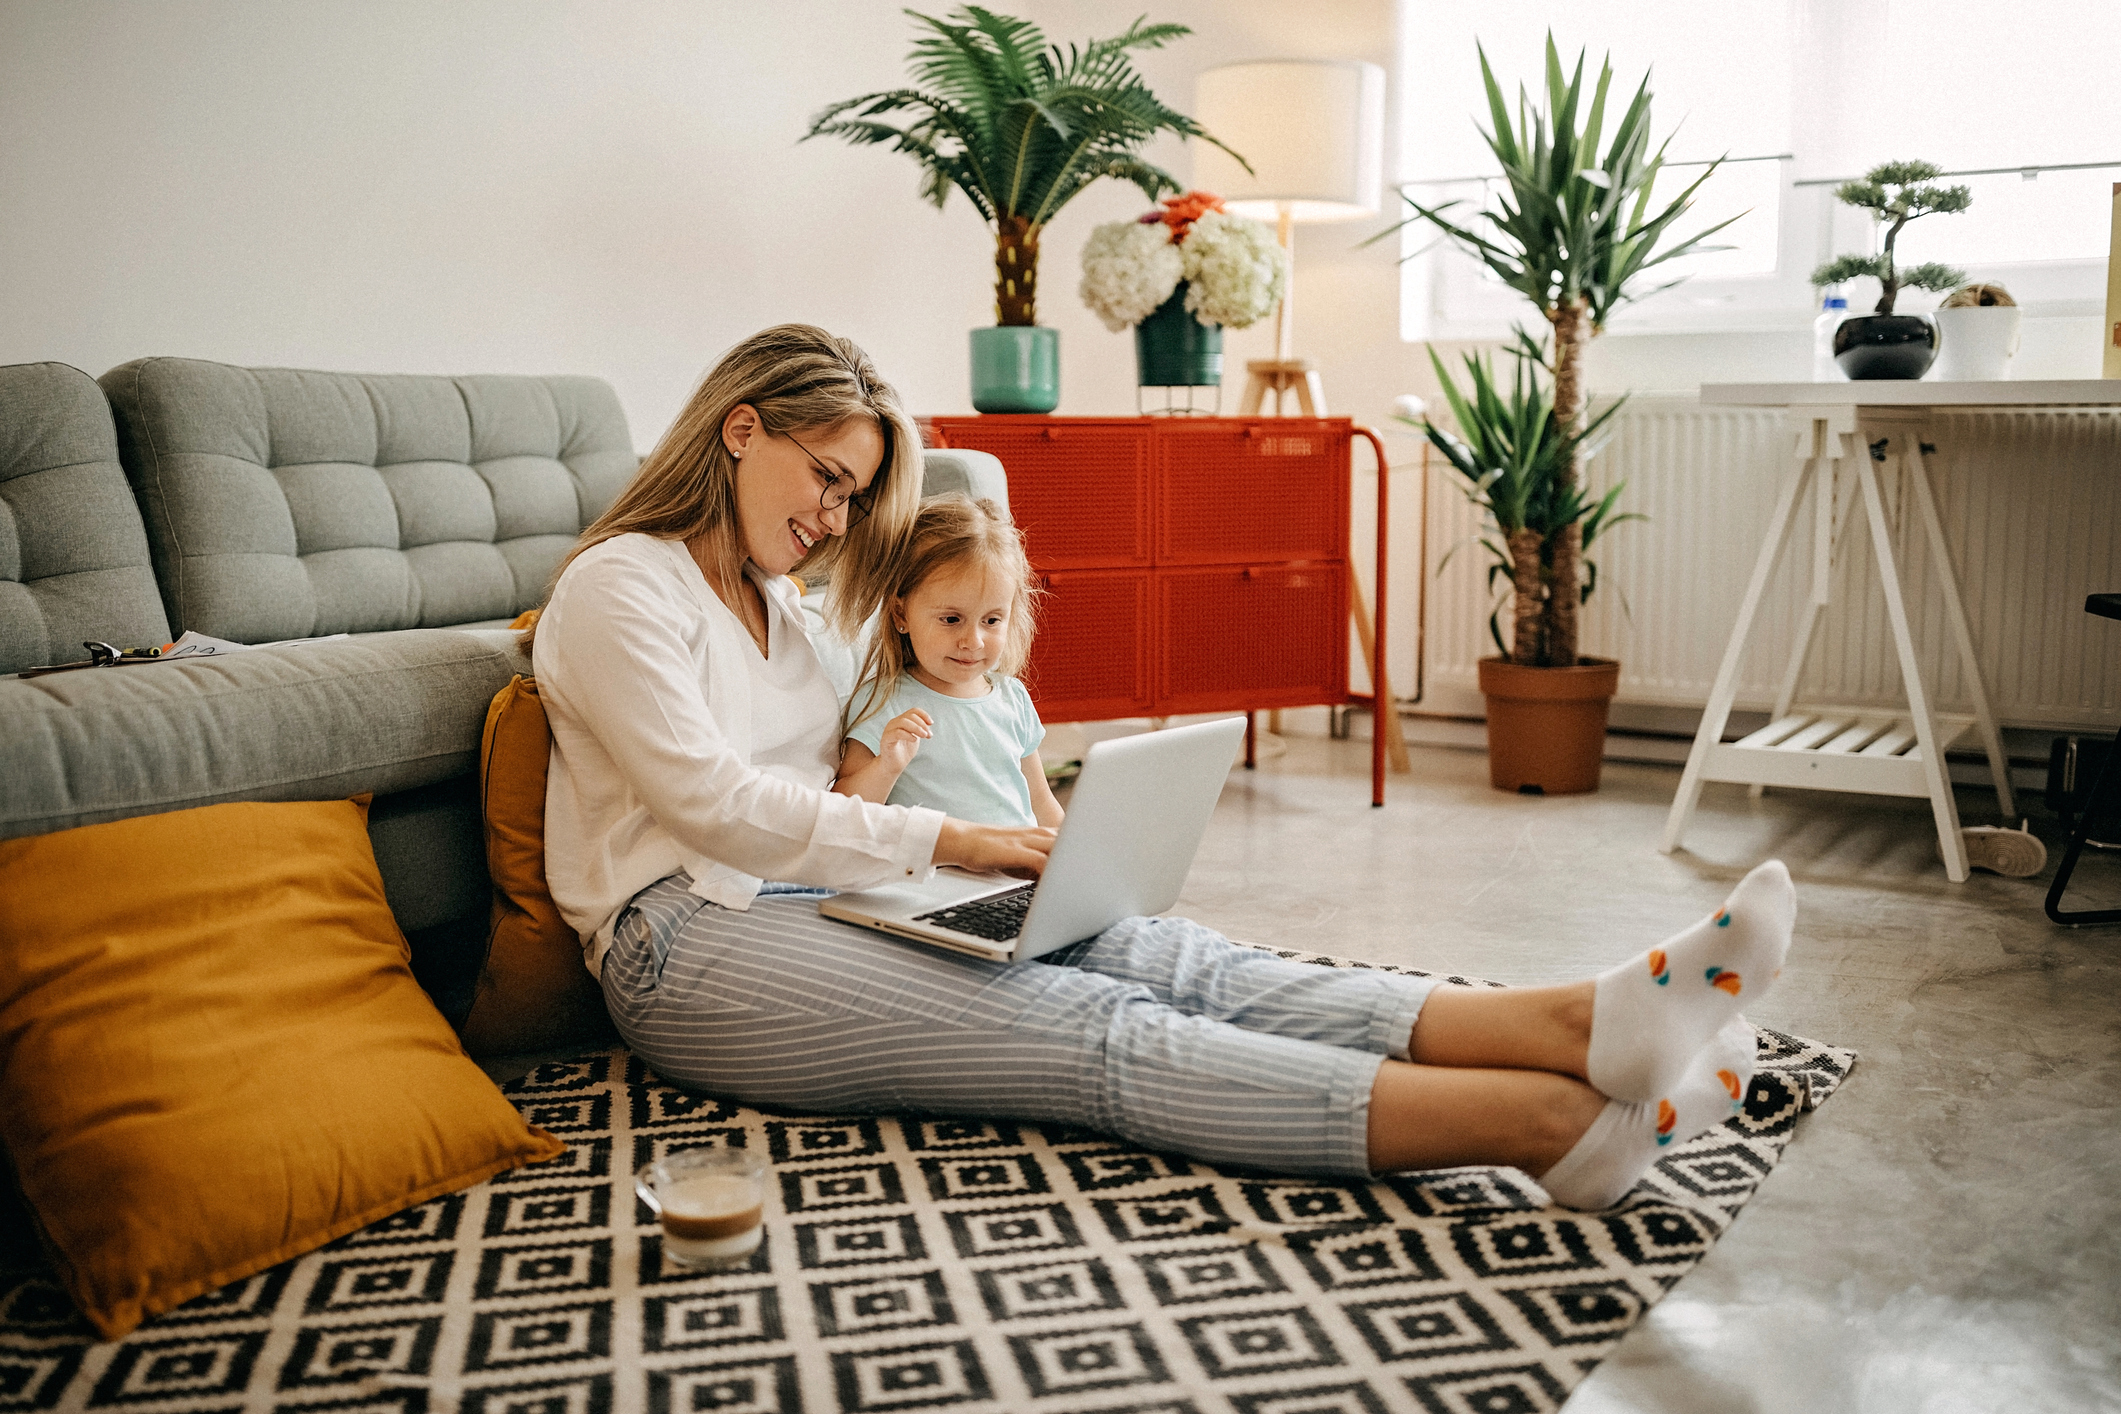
(1016, 369)
(1172, 349)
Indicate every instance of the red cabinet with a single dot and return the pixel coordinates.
(1094, 652)
(1251, 636)
(1190, 564)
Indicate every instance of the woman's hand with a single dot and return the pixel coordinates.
(1009, 849)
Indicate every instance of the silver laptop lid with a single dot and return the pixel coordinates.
(1135, 820)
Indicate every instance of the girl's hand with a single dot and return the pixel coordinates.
(902, 737)
(1009, 849)
(870, 775)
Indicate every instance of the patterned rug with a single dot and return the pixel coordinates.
(931, 1264)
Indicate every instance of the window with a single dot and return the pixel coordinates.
(1797, 95)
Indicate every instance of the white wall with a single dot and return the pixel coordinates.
(476, 186)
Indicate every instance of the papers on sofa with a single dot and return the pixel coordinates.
(191, 645)
(198, 645)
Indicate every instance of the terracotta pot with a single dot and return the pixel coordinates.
(1546, 726)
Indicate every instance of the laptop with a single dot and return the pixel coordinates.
(1134, 821)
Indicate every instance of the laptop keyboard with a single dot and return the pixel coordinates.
(997, 917)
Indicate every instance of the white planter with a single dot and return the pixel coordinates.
(1975, 343)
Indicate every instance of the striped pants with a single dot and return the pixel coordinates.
(1158, 1029)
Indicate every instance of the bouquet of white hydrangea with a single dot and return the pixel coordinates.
(1128, 270)
(1233, 271)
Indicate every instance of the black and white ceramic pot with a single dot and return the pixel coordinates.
(1885, 346)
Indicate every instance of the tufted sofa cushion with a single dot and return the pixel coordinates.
(282, 504)
(73, 560)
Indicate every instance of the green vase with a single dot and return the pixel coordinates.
(1172, 349)
(1016, 368)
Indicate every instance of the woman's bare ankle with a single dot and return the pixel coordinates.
(1572, 1020)
(1571, 1108)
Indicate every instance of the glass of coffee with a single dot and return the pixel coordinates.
(710, 1202)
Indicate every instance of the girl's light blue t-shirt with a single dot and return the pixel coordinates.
(972, 767)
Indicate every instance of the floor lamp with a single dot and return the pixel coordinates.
(1312, 131)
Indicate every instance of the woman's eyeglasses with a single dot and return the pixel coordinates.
(838, 490)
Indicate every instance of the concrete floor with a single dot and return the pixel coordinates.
(1944, 1235)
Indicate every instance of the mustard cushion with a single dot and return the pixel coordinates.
(213, 1054)
(534, 992)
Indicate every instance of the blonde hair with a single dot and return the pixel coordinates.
(798, 378)
(949, 531)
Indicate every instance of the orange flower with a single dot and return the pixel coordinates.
(1180, 212)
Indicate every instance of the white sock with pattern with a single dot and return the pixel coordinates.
(1654, 1011)
(1630, 1135)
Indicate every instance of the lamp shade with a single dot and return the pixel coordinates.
(1312, 129)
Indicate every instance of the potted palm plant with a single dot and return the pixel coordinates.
(1575, 231)
(1020, 126)
(1546, 726)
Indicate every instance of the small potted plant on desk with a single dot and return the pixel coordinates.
(1021, 127)
(1546, 722)
(1883, 344)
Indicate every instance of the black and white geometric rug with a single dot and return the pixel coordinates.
(918, 1264)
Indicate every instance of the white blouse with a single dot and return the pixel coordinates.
(675, 745)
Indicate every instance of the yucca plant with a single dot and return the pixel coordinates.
(1020, 126)
(1574, 231)
(1513, 453)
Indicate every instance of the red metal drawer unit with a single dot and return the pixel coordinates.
(1191, 564)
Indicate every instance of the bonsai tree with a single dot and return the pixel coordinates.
(1512, 452)
(1896, 192)
(1574, 232)
(1019, 126)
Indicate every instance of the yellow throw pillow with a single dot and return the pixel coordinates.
(213, 1054)
(534, 992)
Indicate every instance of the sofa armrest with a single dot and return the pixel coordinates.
(977, 474)
(374, 713)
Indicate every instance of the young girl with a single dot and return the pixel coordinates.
(954, 631)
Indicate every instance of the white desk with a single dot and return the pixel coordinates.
(1825, 747)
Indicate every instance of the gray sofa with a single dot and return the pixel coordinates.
(417, 514)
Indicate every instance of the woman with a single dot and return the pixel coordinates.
(690, 829)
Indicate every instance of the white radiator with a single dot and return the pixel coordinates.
(2031, 505)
